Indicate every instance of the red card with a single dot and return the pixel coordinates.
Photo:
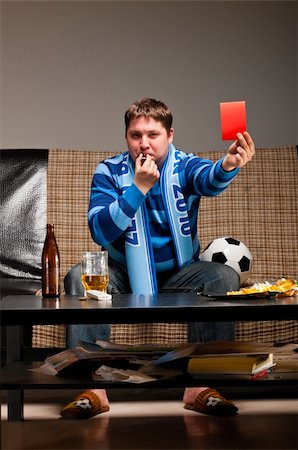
(233, 119)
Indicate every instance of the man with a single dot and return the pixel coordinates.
(143, 210)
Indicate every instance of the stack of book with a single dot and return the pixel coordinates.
(224, 359)
(255, 365)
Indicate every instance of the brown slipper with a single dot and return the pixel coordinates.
(213, 403)
(83, 406)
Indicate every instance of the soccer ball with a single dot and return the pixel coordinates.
(229, 251)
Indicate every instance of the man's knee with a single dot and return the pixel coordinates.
(230, 278)
(72, 281)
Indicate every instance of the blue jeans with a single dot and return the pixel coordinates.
(201, 276)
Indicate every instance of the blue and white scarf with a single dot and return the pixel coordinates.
(138, 248)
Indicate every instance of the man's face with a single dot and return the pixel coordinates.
(149, 137)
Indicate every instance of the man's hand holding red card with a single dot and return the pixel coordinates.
(240, 152)
(233, 126)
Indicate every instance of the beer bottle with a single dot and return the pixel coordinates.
(50, 265)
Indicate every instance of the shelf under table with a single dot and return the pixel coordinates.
(18, 375)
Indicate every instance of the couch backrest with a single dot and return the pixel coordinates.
(260, 208)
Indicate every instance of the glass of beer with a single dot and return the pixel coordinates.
(95, 271)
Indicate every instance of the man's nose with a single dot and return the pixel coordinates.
(144, 142)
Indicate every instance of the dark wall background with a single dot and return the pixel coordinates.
(70, 68)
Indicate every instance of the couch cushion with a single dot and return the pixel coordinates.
(259, 208)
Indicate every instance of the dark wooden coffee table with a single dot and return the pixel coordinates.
(16, 311)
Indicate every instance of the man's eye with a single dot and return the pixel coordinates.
(153, 135)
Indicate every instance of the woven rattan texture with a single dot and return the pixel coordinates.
(260, 208)
(69, 178)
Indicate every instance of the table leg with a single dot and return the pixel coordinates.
(14, 352)
(1, 365)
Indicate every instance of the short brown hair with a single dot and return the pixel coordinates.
(149, 107)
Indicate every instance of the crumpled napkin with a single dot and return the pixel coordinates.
(107, 373)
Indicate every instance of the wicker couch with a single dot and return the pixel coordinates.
(260, 208)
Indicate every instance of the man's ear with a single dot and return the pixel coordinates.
(171, 135)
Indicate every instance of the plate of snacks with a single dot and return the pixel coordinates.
(283, 287)
(277, 289)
